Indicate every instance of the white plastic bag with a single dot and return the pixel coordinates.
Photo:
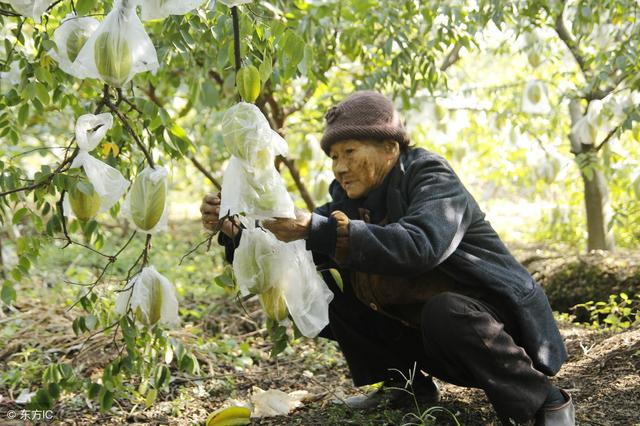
(160, 9)
(70, 37)
(256, 193)
(119, 49)
(30, 8)
(107, 181)
(248, 136)
(535, 99)
(272, 268)
(11, 78)
(146, 204)
(152, 299)
(303, 288)
(275, 402)
(251, 261)
(590, 127)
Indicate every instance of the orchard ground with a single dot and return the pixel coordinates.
(232, 347)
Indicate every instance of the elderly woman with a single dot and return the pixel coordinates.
(427, 281)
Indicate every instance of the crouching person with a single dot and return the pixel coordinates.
(427, 281)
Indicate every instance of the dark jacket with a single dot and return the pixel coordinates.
(432, 224)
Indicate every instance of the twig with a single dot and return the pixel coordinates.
(236, 38)
(205, 172)
(127, 126)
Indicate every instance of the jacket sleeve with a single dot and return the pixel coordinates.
(437, 217)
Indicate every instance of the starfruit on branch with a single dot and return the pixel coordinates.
(146, 203)
(113, 58)
(150, 297)
(248, 83)
(84, 200)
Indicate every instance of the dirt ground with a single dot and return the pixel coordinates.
(602, 374)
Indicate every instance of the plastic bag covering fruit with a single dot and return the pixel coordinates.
(119, 48)
(151, 297)
(257, 193)
(248, 83)
(251, 261)
(85, 201)
(107, 181)
(535, 99)
(591, 126)
(70, 37)
(248, 136)
(273, 303)
(113, 58)
(10, 78)
(30, 8)
(160, 9)
(265, 264)
(146, 203)
(228, 416)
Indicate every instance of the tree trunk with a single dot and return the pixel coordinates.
(598, 207)
(596, 192)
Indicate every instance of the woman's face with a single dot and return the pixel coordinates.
(360, 166)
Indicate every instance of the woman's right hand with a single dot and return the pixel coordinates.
(210, 211)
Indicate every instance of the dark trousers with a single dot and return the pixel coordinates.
(462, 340)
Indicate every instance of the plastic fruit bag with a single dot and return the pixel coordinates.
(248, 136)
(303, 288)
(30, 8)
(70, 37)
(256, 193)
(285, 277)
(273, 304)
(107, 182)
(151, 297)
(250, 265)
(119, 49)
(160, 9)
(535, 99)
(145, 206)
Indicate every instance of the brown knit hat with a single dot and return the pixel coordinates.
(363, 115)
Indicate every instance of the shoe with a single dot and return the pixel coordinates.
(425, 392)
(557, 415)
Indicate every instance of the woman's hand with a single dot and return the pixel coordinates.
(210, 211)
(287, 230)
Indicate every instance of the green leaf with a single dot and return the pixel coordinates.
(8, 293)
(224, 281)
(265, 69)
(151, 397)
(84, 7)
(335, 274)
(23, 113)
(106, 400)
(17, 217)
(94, 390)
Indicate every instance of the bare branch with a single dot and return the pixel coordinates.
(205, 172)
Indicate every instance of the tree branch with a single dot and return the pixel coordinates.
(205, 172)
(567, 39)
(236, 38)
(452, 57)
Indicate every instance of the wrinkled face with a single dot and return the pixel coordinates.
(360, 166)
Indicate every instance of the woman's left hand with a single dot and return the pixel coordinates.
(287, 230)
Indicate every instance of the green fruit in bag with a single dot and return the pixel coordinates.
(75, 41)
(147, 201)
(85, 206)
(273, 304)
(113, 58)
(156, 297)
(248, 82)
(534, 94)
